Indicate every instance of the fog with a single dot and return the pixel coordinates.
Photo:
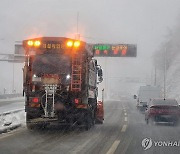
(142, 22)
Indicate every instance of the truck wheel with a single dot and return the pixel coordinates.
(99, 121)
(93, 122)
(88, 121)
(93, 118)
(29, 125)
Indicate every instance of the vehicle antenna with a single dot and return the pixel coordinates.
(77, 22)
(77, 37)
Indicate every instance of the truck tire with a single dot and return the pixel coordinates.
(88, 121)
(29, 125)
(87, 125)
(99, 121)
(93, 118)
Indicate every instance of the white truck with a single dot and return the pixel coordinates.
(146, 94)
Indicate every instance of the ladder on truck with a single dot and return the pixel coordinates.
(50, 100)
(76, 73)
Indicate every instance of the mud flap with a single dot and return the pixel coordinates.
(100, 113)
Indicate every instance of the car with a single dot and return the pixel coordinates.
(163, 110)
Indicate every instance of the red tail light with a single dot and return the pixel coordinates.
(163, 110)
(76, 100)
(35, 100)
(124, 51)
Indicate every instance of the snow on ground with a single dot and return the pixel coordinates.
(12, 113)
(12, 120)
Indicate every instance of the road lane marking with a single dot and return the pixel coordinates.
(124, 128)
(113, 147)
(124, 110)
(125, 119)
(80, 147)
(125, 114)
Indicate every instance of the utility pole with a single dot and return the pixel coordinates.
(13, 79)
(106, 78)
(155, 76)
(165, 72)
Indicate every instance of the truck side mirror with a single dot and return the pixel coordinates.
(145, 105)
(135, 97)
(100, 73)
(95, 62)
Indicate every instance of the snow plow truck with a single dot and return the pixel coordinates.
(60, 78)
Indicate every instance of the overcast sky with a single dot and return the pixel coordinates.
(143, 22)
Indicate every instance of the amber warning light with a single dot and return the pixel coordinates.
(37, 43)
(75, 44)
(53, 44)
(70, 43)
(31, 43)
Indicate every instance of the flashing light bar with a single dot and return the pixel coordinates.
(75, 44)
(31, 43)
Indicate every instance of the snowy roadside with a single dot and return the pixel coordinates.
(11, 104)
(12, 114)
(12, 99)
(11, 120)
(7, 96)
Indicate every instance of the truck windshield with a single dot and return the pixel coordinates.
(49, 63)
